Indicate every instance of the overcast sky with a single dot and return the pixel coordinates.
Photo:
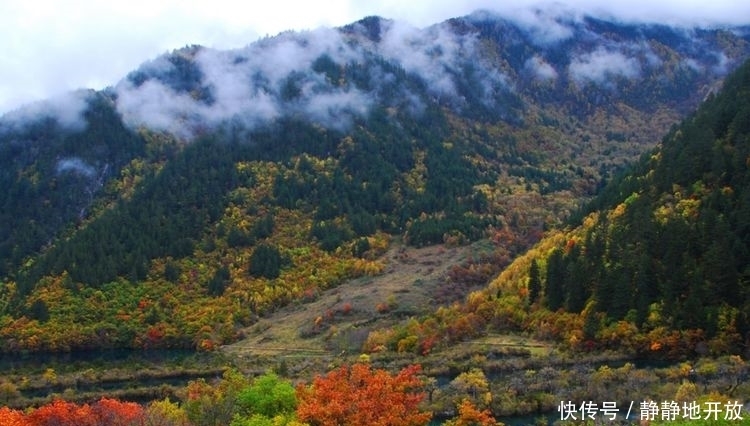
(48, 47)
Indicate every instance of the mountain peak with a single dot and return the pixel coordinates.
(371, 27)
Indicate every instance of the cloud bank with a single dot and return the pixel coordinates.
(321, 75)
(298, 74)
(50, 47)
(252, 85)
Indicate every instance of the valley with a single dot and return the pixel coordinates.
(475, 219)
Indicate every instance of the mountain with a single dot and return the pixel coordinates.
(209, 187)
(658, 264)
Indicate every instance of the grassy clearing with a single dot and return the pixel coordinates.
(337, 322)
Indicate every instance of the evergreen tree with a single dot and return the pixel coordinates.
(263, 228)
(621, 294)
(644, 287)
(554, 291)
(535, 282)
(219, 282)
(576, 281)
(590, 325)
(39, 311)
(265, 262)
(172, 271)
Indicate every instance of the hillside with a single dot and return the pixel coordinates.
(210, 188)
(657, 267)
(413, 281)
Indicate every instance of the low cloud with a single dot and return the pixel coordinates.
(692, 64)
(247, 86)
(157, 107)
(66, 109)
(336, 109)
(75, 165)
(540, 69)
(439, 56)
(547, 25)
(722, 63)
(602, 65)
(55, 47)
(431, 54)
(299, 74)
(652, 59)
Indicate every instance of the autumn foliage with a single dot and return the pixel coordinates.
(9, 417)
(356, 395)
(470, 415)
(105, 412)
(359, 395)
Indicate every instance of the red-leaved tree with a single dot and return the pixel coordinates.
(105, 412)
(9, 417)
(359, 396)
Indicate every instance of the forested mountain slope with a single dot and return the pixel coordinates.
(209, 187)
(660, 262)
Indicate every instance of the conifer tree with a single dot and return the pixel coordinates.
(554, 291)
(535, 282)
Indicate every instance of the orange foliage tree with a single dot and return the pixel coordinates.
(469, 415)
(62, 413)
(359, 395)
(117, 413)
(105, 412)
(9, 417)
